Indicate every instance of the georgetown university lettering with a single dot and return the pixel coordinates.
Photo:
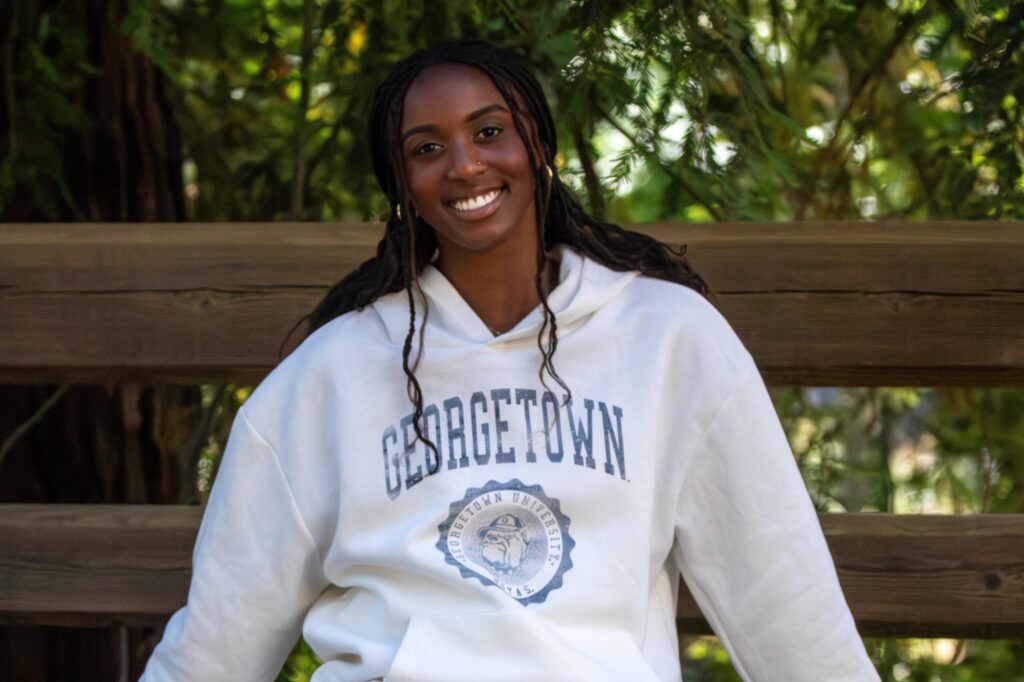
(475, 432)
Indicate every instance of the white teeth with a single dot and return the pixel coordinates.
(476, 202)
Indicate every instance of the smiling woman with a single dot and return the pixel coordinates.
(408, 490)
(470, 178)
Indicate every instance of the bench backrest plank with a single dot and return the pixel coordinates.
(129, 562)
(858, 303)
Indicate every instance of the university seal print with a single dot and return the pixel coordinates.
(509, 535)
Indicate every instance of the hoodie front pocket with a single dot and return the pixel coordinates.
(513, 645)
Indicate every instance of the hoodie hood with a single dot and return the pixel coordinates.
(583, 287)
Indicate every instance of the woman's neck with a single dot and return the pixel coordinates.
(499, 287)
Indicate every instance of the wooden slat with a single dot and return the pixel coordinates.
(907, 575)
(853, 303)
(99, 559)
(923, 575)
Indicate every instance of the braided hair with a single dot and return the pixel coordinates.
(409, 243)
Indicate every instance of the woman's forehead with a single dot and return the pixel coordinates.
(445, 90)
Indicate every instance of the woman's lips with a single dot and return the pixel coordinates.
(479, 212)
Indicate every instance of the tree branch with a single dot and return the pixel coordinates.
(593, 183)
(656, 160)
(776, 21)
(299, 179)
(31, 421)
(907, 22)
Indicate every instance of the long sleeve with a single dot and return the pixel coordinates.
(255, 572)
(750, 546)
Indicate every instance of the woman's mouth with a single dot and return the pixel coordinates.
(479, 206)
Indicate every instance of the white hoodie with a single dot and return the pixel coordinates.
(549, 543)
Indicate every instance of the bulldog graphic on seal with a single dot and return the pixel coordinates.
(509, 535)
(503, 543)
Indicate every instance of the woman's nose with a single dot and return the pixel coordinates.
(466, 162)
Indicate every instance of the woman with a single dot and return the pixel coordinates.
(426, 495)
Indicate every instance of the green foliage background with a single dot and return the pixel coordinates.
(693, 111)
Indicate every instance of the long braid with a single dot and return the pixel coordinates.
(412, 267)
(546, 342)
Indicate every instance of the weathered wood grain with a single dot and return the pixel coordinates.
(923, 575)
(920, 575)
(809, 338)
(854, 303)
(865, 256)
(95, 558)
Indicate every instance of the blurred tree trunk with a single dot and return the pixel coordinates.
(116, 443)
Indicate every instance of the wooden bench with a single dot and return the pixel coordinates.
(837, 304)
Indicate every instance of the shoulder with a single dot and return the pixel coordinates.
(698, 331)
(647, 289)
(322, 361)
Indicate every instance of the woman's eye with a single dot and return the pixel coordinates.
(425, 148)
(490, 131)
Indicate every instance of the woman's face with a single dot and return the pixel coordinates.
(467, 168)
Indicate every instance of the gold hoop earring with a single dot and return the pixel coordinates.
(551, 173)
(398, 211)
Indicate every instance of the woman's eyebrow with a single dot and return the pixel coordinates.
(430, 127)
